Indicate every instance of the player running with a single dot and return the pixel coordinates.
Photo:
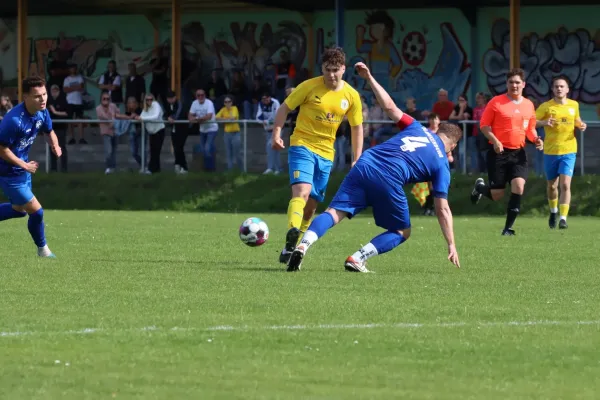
(505, 122)
(323, 102)
(18, 131)
(559, 117)
(413, 155)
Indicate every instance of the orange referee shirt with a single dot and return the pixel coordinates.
(510, 121)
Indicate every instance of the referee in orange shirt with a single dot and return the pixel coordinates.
(505, 122)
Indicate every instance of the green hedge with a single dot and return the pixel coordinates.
(257, 193)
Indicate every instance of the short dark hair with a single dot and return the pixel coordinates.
(334, 56)
(432, 116)
(451, 131)
(516, 72)
(32, 82)
(561, 78)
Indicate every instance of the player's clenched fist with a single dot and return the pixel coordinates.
(277, 143)
(362, 70)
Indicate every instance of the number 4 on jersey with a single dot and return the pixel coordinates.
(411, 143)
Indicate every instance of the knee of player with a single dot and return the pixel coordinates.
(565, 187)
(405, 233)
(553, 185)
(301, 190)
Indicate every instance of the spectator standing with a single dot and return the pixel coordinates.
(203, 111)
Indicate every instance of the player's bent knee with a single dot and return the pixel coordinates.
(337, 215)
(32, 207)
(301, 190)
(19, 211)
(405, 233)
(497, 194)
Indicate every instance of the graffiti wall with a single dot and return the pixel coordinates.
(412, 53)
(247, 43)
(566, 41)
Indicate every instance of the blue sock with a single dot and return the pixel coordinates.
(379, 244)
(36, 227)
(7, 212)
(321, 224)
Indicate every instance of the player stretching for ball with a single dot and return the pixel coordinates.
(18, 130)
(505, 122)
(559, 117)
(323, 102)
(413, 155)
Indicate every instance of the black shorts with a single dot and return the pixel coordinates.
(504, 167)
(75, 111)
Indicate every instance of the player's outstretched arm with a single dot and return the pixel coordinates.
(278, 122)
(444, 215)
(383, 98)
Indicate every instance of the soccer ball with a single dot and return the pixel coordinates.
(254, 232)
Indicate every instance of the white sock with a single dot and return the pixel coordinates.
(563, 217)
(366, 252)
(309, 238)
(44, 251)
(554, 210)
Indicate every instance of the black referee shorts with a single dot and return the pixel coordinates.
(504, 167)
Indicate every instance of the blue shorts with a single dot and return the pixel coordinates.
(17, 188)
(556, 165)
(307, 167)
(364, 187)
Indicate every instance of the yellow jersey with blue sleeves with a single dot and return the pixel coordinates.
(560, 138)
(321, 112)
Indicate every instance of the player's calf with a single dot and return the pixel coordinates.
(380, 244)
(37, 232)
(8, 212)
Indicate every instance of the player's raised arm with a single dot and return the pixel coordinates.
(383, 98)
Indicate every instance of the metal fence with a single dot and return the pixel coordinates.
(244, 124)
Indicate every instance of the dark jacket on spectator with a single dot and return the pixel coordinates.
(174, 111)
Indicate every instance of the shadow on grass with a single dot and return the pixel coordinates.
(230, 193)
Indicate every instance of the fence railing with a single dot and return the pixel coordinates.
(244, 124)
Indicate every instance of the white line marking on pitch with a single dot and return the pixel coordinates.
(401, 325)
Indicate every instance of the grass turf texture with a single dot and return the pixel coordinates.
(257, 193)
(120, 272)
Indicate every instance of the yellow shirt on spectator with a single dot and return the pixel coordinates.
(233, 114)
(321, 113)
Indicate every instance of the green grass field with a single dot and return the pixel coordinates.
(166, 305)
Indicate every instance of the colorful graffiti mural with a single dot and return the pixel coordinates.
(575, 54)
(250, 47)
(403, 59)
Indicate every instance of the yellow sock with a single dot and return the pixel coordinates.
(295, 212)
(304, 228)
(553, 205)
(564, 211)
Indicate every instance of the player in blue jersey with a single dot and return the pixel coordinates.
(377, 179)
(18, 131)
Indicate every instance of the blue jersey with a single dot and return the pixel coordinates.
(18, 131)
(413, 155)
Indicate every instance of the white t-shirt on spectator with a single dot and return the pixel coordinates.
(75, 98)
(200, 110)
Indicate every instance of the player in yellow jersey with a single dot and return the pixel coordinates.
(559, 117)
(323, 102)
